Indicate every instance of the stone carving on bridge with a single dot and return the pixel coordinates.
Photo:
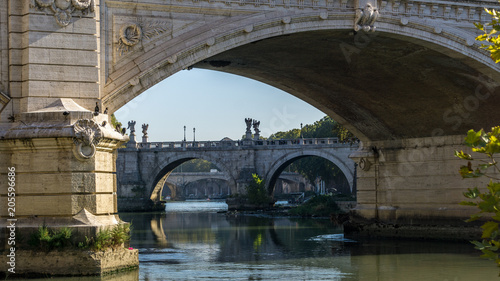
(63, 9)
(132, 33)
(131, 126)
(87, 136)
(256, 125)
(145, 130)
(248, 132)
(365, 18)
(364, 164)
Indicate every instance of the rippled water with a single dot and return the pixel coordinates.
(186, 244)
(191, 241)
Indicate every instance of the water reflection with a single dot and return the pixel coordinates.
(184, 244)
(187, 245)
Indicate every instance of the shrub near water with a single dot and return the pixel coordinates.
(322, 206)
(46, 239)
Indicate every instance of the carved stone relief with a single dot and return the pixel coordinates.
(87, 136)
(63, 9)
(131, 34)
(365, 18)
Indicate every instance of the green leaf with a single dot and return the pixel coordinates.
(488, 228)
(463, 155)
(472, 193)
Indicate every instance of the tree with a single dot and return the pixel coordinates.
(486, 143)
(488, 202)
(257, 193)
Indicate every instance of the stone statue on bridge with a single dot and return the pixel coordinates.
(248, 132)
(131, 126)
(145, 133)
(256, 125)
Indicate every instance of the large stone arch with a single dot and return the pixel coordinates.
(210, 47)
(345, 164)
(160, 173)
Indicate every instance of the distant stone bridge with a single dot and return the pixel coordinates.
(143, 168)
(214, 184)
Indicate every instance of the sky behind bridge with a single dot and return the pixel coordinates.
(216, 105)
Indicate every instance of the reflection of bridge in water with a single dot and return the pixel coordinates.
(143, 168)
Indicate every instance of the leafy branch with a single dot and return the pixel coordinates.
(485, 143)
(490, 35)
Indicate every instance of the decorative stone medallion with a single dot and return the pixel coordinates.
(63, 9)
(131, 34)
(364, 164)
(87, 136)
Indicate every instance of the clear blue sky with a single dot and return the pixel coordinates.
(216, 104)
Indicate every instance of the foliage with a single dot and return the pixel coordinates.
(320, 206)
(115, 121)
(490, 35)
(256, 191)
(108, 238)
(195, 165)
(326, 127)
(488, 202)
(46, 239)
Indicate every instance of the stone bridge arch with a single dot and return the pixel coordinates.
(221, 44)
(345, 164)
(186, 179)
(159, 174)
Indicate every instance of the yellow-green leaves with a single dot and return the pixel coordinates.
(490, 37)
(488, 202)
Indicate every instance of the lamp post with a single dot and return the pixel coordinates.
(301, 131)
(194, 134)
(184, 133)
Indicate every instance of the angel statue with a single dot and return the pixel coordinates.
(256, 125)
(248, 121)
(131, 126)
(145, 130)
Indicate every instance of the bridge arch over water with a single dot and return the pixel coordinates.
(280, 164)
(409, 55)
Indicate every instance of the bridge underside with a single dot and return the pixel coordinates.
(380, 87)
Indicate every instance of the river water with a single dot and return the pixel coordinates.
(192, 241)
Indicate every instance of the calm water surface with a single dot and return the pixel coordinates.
(191, 241)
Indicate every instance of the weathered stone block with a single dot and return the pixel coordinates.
(59, 73)
(56, 89)
(76, 262)
(60, 57)
(37, 39)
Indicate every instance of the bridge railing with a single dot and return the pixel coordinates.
(244, 143)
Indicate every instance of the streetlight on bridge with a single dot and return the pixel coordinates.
(184, 133)
(194, 134)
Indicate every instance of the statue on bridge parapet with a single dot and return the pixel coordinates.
(145, 133)
(256, 125)
(248, 132)
(131, 126)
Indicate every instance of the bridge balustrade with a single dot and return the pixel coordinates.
(245, 143)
